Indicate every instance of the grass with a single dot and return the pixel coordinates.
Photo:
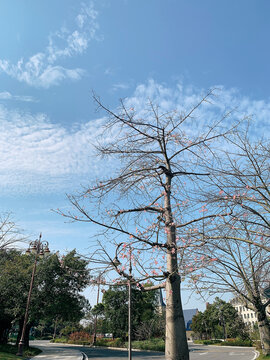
(263, 357)
(8, 352)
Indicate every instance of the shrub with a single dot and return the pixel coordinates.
(60, 340)
(236, 342)
(80, 336)
(110, 342)
(154, 344)
(207, 342)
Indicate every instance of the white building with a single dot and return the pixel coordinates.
(249, 316)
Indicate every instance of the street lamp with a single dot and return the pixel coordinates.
(40, 249)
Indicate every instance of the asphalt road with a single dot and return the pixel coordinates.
(197, 352)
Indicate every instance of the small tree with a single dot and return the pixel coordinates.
(56, 291)
(114, 308)
(220, 319)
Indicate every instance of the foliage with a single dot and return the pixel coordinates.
(7, 352)
(114, 309)
(219, 320)
(56, 291)
(117, 342)
(154, 344)
(79, 336)
(236, 342)
(207, 342)
(60, 340)
(263, 357)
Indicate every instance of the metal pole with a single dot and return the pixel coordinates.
(129, 308)
(95, 323)
(21, 343)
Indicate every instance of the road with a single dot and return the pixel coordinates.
(197, 352)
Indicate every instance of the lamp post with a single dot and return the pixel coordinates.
(40, 249)
(129, 308)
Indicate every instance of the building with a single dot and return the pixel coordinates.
(188, 313)
(248, 316)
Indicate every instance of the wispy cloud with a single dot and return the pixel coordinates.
(120, 86)
(5, 95)
(183, 98)
(41, 69)
(38, 155)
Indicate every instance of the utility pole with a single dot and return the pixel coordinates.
(129, 307)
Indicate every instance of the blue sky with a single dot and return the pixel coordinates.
(55, 53)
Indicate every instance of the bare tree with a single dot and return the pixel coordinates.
(242, 190)
(150, 200)
(238, 268)
(239, 241)
(9, 232)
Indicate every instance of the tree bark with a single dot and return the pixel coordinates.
(176, 341)
(264, 330)
(176, 347)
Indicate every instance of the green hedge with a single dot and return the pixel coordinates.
(207, 342)
(228, 342)
(155, 344)
(236, 342)
(110, 342)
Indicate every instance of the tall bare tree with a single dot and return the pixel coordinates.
(239, 243)
(157, 160)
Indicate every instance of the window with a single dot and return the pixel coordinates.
(245, 316)
(251, 315)
(248, 316)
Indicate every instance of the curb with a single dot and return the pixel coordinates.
(126, 349)
(257, 354)
(84, 356)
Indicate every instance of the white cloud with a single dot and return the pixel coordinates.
(120, 86)
(40, 69)
(5, 95)
(37, 155)
(183, 98)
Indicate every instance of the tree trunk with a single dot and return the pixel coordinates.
(176, 347)
(55, 328)
(26, 335)
(264, 330)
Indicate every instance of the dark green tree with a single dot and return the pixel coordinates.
(56, 292)
(114, 309)
(219, 320)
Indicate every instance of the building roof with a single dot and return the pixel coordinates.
(188, 315)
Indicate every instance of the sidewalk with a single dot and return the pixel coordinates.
(55, 351)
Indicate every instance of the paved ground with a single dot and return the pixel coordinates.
(56, 351)
(197, 352)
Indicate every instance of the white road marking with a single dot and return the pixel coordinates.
(257, 354)
(203, 353)
(236, 353)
